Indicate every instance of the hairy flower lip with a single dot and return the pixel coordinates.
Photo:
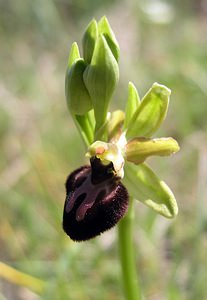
(92, 207)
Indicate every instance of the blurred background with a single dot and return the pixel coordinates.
(163, 41)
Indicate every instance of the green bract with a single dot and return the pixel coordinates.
(121, 138)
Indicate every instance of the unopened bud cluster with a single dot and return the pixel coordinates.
(91, 79)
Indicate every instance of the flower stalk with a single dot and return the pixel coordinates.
(130, 280)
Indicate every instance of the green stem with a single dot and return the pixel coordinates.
(127, 256)
(20, 278)
(84, 126)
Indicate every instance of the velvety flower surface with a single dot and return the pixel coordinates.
(95, 201)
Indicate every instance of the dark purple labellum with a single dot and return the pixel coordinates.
(95, 201)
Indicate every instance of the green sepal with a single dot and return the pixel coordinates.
(111, 129)
(145, 186)
(77, 96)
(150, 113)
(137, 150)
(89, 39)
(100, 78)
(104, 29)
(133, 102)
(101, 132)
(74, 54)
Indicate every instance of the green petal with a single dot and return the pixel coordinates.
(77, 96)
(145, 186)
(150, 113)
(100, 78)
(105, 29)
(139, 149)
(89, 39)
(133, 102)
(115, 124)
(111, 129)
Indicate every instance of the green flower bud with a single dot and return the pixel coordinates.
(77, 96)
(150, 113)
(133, 102)
(145, 186)
(105, 29)
(89, 39)
(100, 78)
(138, 149)
(74, 54)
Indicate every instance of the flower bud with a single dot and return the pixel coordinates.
(104, 28)
(100, 78)
(139, 149)
(89, 39)
(78, 99)
(150, 113)
(95, 201)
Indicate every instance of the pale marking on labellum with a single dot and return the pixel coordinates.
(92, 191)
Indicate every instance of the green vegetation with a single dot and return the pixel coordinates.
(39, 146)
